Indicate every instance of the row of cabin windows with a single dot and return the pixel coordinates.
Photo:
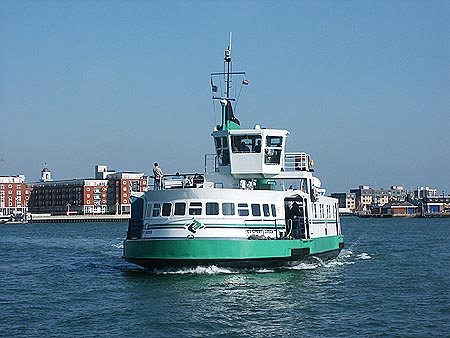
(211, 208)
(324, 211)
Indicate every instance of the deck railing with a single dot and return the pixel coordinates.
(297, 162)
(292, 162)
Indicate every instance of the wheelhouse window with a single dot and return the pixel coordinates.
(243, 209)
(212, 208)
(246, 143)
(195, 208)
(274, 141)
(272, 152)
(228, 209)
(180, 209)
(166, 209)
(223, 153)
(156, 210)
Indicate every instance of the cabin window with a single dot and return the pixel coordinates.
(212, 208)
(180, 209)
(156, 210)
(246, 143)
(148, 210)
(274, 210)
(166, 209)
(274, 141)
(228, 209)
(218, 142)
(256, 210)
(266, 210)
(272, 156)
(272, 153)
(304, 185)
(195, 208)
(243, 209)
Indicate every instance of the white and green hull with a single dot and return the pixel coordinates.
(268, 239)
(234, 253)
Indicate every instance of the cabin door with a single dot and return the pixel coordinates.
(296, 217)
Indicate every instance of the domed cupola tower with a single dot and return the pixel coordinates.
(46, 174)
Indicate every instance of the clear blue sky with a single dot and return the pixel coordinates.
(363, 86)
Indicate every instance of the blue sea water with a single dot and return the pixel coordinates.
(68, 280)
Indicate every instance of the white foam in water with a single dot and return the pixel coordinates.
(345, 253)
(198, 270)
(335, 262)
(265, 271)
(314, 263)
(118, 246)
(321, 263)
(209, 270)
(364, 255)
(305, 266)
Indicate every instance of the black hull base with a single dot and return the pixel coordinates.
(258, 263)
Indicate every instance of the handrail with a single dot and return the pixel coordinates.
(297, 162)
(208, 159)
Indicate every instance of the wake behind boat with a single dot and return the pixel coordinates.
(256, 205)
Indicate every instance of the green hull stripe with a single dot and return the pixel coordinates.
(198, 249)
(218, 225)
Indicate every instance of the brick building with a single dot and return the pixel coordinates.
(108, 193)
(77, 196)
(14, 196)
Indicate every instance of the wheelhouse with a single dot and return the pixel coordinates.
(259, 152)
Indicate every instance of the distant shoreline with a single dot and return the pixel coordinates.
(36, 218)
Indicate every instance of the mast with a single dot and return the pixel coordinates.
(229, 67)
(229, 121)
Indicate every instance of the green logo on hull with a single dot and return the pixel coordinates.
(194, 226)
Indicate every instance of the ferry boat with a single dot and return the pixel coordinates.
(255, 205)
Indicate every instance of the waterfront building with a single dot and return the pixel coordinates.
(424, 192)
(347, 201)
(102, 172)
(436, 204)
(397, 209)
(398, 193)
(76, 196)
(121, 187)
(108, 193)
(46, 174)
(364, 197)
(396, 201)
(14, 196)
(381, 196)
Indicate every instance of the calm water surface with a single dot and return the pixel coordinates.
(392, 280)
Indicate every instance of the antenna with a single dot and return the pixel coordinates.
(229, 121)
(229, 70)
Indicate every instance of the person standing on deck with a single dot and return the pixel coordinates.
(159, 175)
